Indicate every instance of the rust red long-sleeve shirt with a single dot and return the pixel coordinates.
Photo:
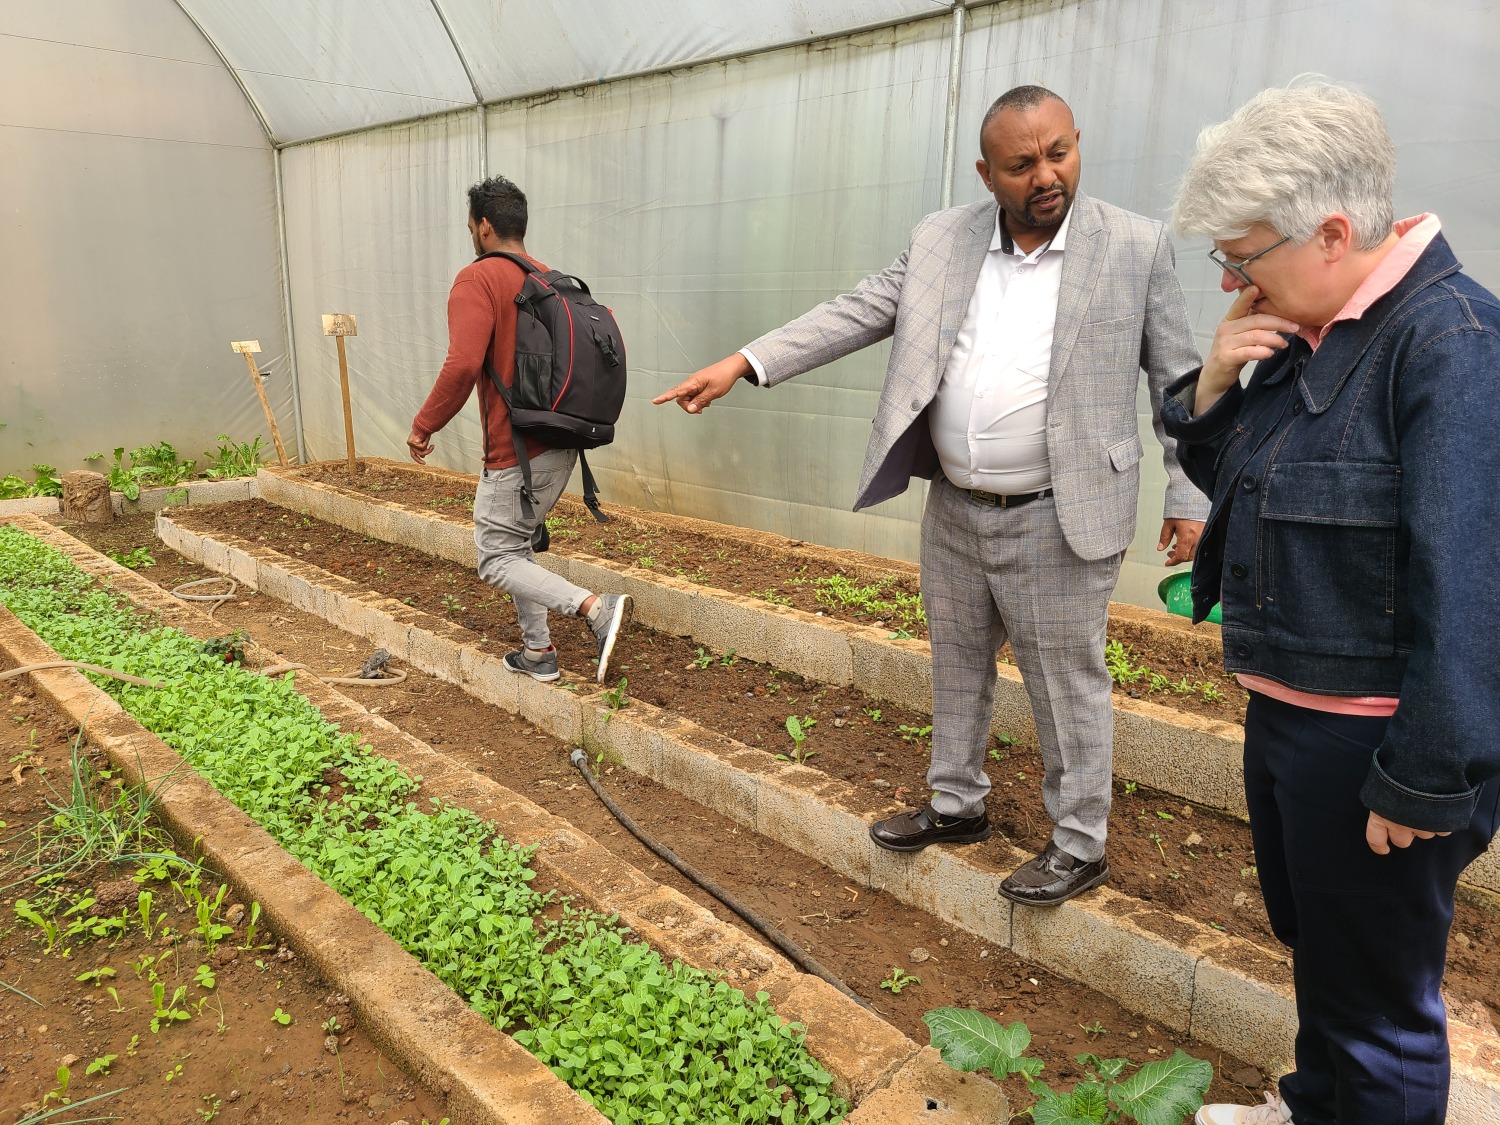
(481, 319)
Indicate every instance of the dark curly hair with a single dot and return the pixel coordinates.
(502, 203)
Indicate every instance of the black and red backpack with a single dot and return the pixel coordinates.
(569, 387)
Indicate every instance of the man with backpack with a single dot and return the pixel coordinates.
(502, 294)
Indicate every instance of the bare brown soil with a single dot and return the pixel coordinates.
(232, 1062)
(860, 934)
(780, 574)
(1189, 860)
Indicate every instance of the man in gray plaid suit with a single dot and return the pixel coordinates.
(1020, 327)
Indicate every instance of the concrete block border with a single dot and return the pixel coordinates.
(866, 1055)
(1224, 991)
(1197, 759)
(1190, 757)
(151, 499)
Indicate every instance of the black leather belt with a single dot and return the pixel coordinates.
(994, 500)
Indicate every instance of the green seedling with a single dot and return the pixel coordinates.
(283, 1018)
(1094, 1030)
(914, 734)
(331, 1026)
(615, 698)
(136, 559)
(130, 1048)
(173, 1074)
(204, 977)
(59, 1093)
(898, 980)
(1156, 839)
(210, 1108)
(1130, 788)
(250, 926)
(96, 977)
(167, 1012)
(115, 996)
(874, 714)
(799, 729)
(100, 1065)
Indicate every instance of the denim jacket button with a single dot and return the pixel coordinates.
(1242, 651)
(1297, 407)
(1247, 483)
(1237, 570)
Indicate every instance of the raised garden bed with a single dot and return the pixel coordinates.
(777, 799)
(225, 1048)
(467, 909)
(1164, 660)
(858, 931)
(1191, 860)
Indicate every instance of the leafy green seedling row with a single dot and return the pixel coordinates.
(644, 1041)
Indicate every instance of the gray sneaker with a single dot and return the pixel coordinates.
(544, 669)
(613, 616)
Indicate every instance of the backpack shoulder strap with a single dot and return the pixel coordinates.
(508, 256)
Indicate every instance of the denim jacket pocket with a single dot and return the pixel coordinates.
(1328, 556)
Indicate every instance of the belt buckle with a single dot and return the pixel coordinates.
(979, 496)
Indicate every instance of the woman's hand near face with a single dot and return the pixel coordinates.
(1242, 336)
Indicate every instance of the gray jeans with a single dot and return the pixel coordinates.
(503, 537)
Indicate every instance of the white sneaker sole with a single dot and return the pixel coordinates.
(616, 623)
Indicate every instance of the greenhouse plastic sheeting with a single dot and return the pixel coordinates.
(337, 65)
(138, 237)
(378, 230)
(715, 203)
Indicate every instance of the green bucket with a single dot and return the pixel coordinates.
(1176, 595)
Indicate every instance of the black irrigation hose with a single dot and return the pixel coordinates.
(799, 956)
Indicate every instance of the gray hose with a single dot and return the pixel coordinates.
(799, 956)
(84, 667)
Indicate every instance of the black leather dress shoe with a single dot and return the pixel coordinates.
(913, 831)
(1053, 877)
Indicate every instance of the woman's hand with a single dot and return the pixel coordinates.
(1242, 336)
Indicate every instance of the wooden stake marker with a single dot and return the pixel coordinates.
(340, 325)
(248, 349)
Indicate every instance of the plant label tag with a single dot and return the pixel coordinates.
(339, 324)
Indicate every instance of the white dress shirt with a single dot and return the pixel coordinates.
(989, 419)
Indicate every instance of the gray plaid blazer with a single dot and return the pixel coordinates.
(1119, 310)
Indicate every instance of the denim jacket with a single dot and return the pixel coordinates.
(1354, 537)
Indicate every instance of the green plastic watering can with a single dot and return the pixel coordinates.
(1178, 598)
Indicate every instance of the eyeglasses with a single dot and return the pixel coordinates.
(1238, 268)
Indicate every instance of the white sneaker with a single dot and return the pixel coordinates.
(1273, 1112)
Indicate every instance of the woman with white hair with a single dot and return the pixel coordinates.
(1354, 542)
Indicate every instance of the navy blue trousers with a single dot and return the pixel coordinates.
(1369, 933)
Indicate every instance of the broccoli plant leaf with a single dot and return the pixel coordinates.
(1165, 1091)
(969, 1040)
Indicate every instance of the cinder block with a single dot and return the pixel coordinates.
(297, 591)
(926, 1090)
(793, 808)
(861, 1049)
(1084, 941)
(551, 709)
(899, 672)
(622, 736)
(433, 651)
(709, 779)
(1247, 1016)
(486, 677)
(1197, 759)
(949, 883)
(1485, 871)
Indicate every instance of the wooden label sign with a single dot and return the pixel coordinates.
(339, 324)
(245, 347)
